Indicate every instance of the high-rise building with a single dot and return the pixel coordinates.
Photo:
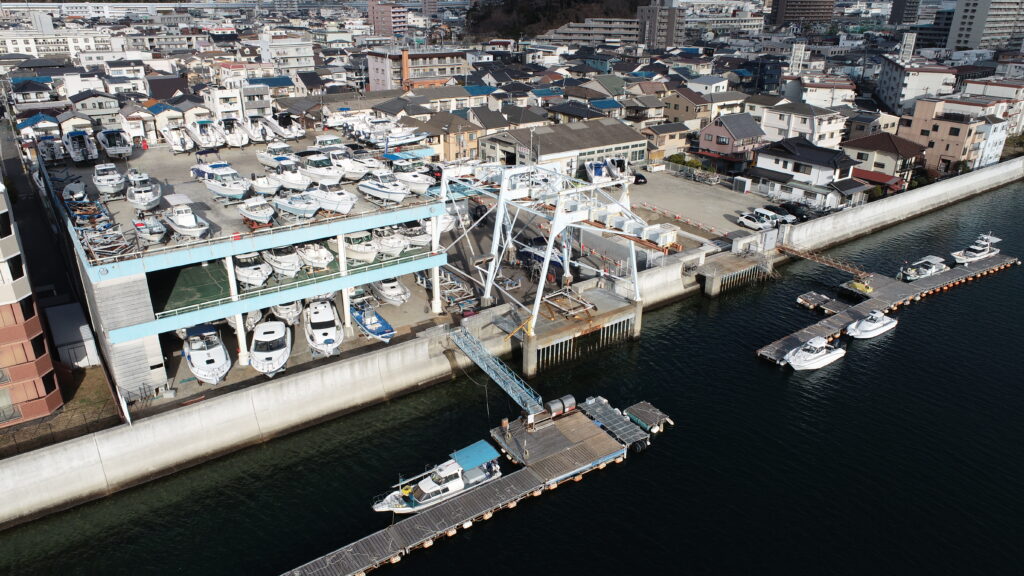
(800, 12)
(387, 19)
(904, 12)
(988, 24)
(28, 385)
(667, 23)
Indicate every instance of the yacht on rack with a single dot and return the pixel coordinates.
(316, 166)
(274, 153)
(205, 134)
(181, 219)
(359, 246)
(149, 230)
(251, 271)
(263, 185)
(297, 204)
(205, 354)
(287, 175)
(271, 346)
(288, 312)
(315, 255)
(342, 158)
(222, 180)
(923, 268)
(874, 324)
(468, 468)
(257, 210)
(176, 137)
(255, 129)
(333, 198)
(233, 133)
(390, 291)
(390, 243)
(382, 186)
(284, 260)
(981, 249)
(322, 327)
(326, 141)
(142, 192)
(250, 320)
(107, 180)
(284, 126)
(410, 174)
(115, 143)
(80, 146)
(813, 354)
(370, 322)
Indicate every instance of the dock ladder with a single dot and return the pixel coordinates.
(505, 377)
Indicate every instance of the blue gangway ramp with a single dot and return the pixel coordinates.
(504, 376)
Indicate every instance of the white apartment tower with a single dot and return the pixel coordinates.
(988, 24)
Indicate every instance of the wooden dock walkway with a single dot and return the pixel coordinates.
(886, 294)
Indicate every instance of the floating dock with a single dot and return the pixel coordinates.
(553, 449)
(886, 294)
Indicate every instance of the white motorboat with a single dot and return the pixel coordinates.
(326, 140)
(415, 234)
(205, 134)
(250, 320)
(923, 268)
(364, 157)
(51, 149)
(115, 143)
(322, 326)
(813, 354)
(251, 271)
(333, 198)
(446, 222)
(468, 468)
(284, 260)
(181, 219)
(389, 243)
(234, 135)
(597, 172)
(256, 209)
(407, 173)
(80, 146)
(981, 249)
(222, 180)
(142, 192)
(205, 354)
(271, 346)
(272, 155)
(255, 129)
(342, 158)
(107, 180)
(75, 192)
(390, 291)
(359, 246)
(149, 230)
(287, 175)
(316, 166)
(297, 204)
(315, 255)
(325, 296)
(617, 166)
(264, 185)
(382, 186)
(176, 137)
(284, 126)
(289, 312)
(874, 324)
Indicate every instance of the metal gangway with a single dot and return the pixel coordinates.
(505, 377)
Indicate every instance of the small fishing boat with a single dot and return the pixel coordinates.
(408, 173)
(468, 468)
(149, 230)
(251, 271)
(390, 244)
(382, 186)
(75, 192)
(333, 198)
(284, 260)
(264, 185)
(256, 209)
(597, 172)
(80, 146)
(142, 192)
(272, 155)
(222, 180)
(284, 126)
(107, 180)
(329, 296)
(981, 249)
(322, 327)
(390, 291)
(177, 138)
(342, 158)
(255, 129)
(923, 268)
(288, 175)
(617, 167)
(288, 312)
(271, 346)
(181, 219)
(446, 223)
(205, 134)
(251, 320)
(326, 140)
(297, 204)
(370, 322)
(232, 132)
(205, 354)
(415, 234)
(364, 157)
(316, 166)
(115, 143)
(874, 324)
(359, 246)
(315, 255)
(813, 354)
(51, 149)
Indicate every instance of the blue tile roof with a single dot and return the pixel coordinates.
(606, 104)
(160, 107)
(479, 90)
(545, 92)
(36, 120)
(275, 82)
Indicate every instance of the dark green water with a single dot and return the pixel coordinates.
(903, 458)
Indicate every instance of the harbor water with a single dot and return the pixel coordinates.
(902, 458)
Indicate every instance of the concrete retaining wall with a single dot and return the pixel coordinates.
(854, 222)
(90, 467)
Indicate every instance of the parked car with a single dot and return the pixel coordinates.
(771, 216)
(755, 221)
(639, 178)
(781, 212)
(802, 212)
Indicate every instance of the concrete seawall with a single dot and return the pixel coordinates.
(73, 472)
(861, 220)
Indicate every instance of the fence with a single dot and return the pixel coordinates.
(64, 425)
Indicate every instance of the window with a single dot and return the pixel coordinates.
(708, 137)
(931, 144)
(935, 127)
(782, 116)
(803, 120)
(39, 346)
(862, 156)
(17, 269)
(5, 225)
(925, 132)
(723, 140)
(954, 131)
(27, 309)
(880, 165)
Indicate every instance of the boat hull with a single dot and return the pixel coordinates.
(861, 331)
(818, 362)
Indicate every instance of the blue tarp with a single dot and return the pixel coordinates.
(475, 454)
(410, 155)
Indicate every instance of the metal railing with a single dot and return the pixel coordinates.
(503, 376)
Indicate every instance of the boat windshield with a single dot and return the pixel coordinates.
(330, 141)
(387, 178)
(268, 345)
(321, 325)
(203, 342)
(319, 163)
(332, 188)
(106, 171)
(358, 239)
(287, 167)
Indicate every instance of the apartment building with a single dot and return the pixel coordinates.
(900, 81)
(820, 126)
(407, 69)
(823, 90)
(290, 54)
(28, 385)
(595, 31)
(60, 42)
(667, 23)
(387, 18)
(953, 141)
(785, 12)
(162, 43)
(986, 24)
(886, 154)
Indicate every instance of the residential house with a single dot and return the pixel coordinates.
(138, 123)
(900, 82)
(610, 107)
(165, 116)
(728, 142)
(70, 121)
(865, 123)
(279, 86)
(492, 121)
(884, 157)
(1006, 107)
(572, 111)
(794, 169)
(822, 90)
(644, 111)
(30, 91)
(953, 140)
(668, 139)
(708, 84)
(822, 126)
(100, 107)
(524, 117)
(685, 105)
(447, 98)
(756, 105)
(39, 126)
(728, 102)
(164, 87)
(452, 137)
(400, 107)
(994, 132)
